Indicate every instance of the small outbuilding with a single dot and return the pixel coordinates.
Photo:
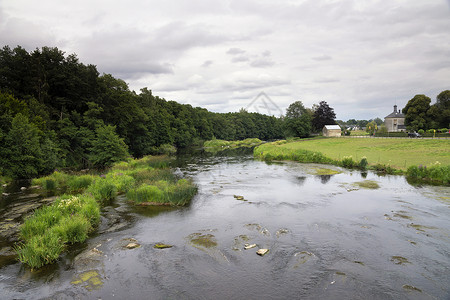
(331, 130)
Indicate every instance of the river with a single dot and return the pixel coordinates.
(338, 236)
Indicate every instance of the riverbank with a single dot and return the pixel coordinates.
(426, 160)
(216, 145)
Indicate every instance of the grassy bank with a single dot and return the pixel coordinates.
(72, 216)
(394, 156)
(216, 145)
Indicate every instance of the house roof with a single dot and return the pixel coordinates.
(395, 115)
(332, 127)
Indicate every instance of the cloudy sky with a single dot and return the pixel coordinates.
(361, 57)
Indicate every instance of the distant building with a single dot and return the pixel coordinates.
(395, 122)
(331, 130)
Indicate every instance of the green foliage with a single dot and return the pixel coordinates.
(107, 147)
(298, 120)
(363, 164)
(40, 250)
(415, 111)
(347, 162)
(52, 182)
(103, 189)
(77, 184)
(435, 173)
(68, 220)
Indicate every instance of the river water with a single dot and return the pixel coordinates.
(327, 236)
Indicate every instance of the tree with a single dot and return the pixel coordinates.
(107, 147)
(323, 115)
(443, 106)
(371, 127)
(20, 153)
(298, 120)
(416, 113)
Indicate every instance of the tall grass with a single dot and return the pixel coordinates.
(70, 218)
(435, 173)
(216, 145)
(44, 235)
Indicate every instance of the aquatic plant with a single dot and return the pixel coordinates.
(435, 173)
(102, 189)
(68, 220)
(77, 184)
(40, 250)
(347, 162)
(53, 181)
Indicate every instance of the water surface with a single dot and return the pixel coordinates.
(328, 238)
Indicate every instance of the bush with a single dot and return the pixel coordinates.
(347, 162)
(434, 173)
(363, 164)
(421, 131)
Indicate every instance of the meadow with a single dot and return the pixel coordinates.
(397, 153)
(422, 160)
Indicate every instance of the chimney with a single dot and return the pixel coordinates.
(395, 108)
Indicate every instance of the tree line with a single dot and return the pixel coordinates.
(58, 112)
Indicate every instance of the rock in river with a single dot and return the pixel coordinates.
(262, 252)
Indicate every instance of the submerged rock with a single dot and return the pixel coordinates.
(282, 231)
(239, 197)
(411, 288)
(91, 280)
(162, 246)
(399, 260)
(262, 252)
(249, 246)
(202, 240)
(132, 245)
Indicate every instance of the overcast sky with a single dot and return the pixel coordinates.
(361, 57)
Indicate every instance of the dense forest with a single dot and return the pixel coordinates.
(57, 112)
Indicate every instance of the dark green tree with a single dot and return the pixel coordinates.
(21, 155)
(416, 113)
(323, 115)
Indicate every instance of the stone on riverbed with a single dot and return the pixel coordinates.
(249, 246)
(237, 197)
(262, 252)
(162, 246)
(132, 245)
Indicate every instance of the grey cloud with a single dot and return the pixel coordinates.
(322, 57)
(240, 58)
(262, 63)
(207, 63)
(235, 51)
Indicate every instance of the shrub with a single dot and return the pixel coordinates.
(167, 149)
(363, 164)
(347, 162)
(421, 131)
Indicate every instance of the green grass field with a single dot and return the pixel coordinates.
(398, 153)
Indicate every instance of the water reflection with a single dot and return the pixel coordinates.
(328, 236)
